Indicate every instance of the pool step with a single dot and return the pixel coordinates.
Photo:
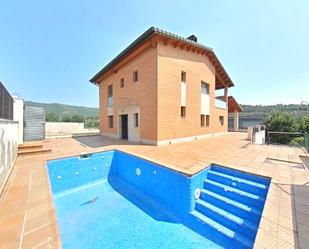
(234, 207)
(234, 240)
(231, 204)
(240, 174)
(238, 182)
(227, 219)
(234, 193)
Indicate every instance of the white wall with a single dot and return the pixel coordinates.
(259, 137)
(183, 94)
(205, 104)
(8, 148)
(18, 115)
(134, 132)
(55, 129)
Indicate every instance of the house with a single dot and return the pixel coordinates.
(163, 89)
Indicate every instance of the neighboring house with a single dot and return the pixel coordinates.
(163, 89)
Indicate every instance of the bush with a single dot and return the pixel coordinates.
(298, 141)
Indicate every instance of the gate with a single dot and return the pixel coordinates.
(34, 123)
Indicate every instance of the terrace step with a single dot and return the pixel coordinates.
(30, 146)
(234, 193)
(32, 151)
(227, 219)
(234, 207)
(236, 239)
(238, 182)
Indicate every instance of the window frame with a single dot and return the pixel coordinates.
(221, 118)
(136, 119)
(183, 111)
(207, 87)
(110, 92)
(135, 76)
(183, 77)
(110, 121)
(121, 83)
(207, 120)
(202, 120)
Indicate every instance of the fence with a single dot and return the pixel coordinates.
(6, 103)
(306, 141)
(285, 138)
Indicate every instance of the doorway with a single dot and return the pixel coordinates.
(124, 126)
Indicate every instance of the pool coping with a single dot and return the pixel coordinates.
(158, 164)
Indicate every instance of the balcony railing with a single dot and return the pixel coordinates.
(220, 103)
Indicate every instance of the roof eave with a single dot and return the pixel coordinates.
(147, 35)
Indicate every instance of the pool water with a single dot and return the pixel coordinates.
(116, 200)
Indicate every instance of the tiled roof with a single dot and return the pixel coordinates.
(150, 32)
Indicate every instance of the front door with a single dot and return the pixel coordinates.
(124, 126)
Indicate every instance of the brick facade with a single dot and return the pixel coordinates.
(157, 93)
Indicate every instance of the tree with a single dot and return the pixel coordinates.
(72, 118)
(92, 123)
(77, 118)
(282, 121)
(52, 117)
(305, 124)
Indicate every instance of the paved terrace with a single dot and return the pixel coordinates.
(27, 215)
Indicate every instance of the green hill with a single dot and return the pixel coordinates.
(67, 110)
(278, 107)
(91, 112)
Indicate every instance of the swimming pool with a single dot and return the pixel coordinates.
(116, 200)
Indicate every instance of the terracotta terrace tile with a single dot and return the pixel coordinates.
(28, 219)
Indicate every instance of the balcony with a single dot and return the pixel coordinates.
(220, 103)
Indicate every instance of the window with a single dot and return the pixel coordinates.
(183, 76)
(207, 120)
(221, 120)
(135, 76)
(110, 121)
(204, 88)
(110, 91)
(202, 120)
(122, 83)
(183, 111)
(110, 95)
(135, 119)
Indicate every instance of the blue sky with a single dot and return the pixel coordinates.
(50, 49)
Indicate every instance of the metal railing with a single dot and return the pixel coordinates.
(285, 138)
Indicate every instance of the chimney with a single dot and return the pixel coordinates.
(192, 38)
